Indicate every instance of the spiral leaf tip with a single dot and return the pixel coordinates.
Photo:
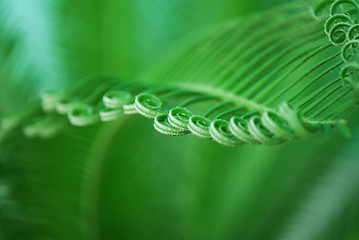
(179, 117)
(64, 106)
(148, 105)
(83, 116)
(199, 126)
(162, 125)
(116, 99)
(342, 29)
(219, 130)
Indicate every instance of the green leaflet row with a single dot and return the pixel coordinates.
(342, 28)
(174, 110)
(283, 55)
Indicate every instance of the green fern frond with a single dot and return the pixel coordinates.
(261, 80)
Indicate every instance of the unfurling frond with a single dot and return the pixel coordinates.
(261, 80)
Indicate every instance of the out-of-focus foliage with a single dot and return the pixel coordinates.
(123, 180)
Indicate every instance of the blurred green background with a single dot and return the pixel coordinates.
(124, 180)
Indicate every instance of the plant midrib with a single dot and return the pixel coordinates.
(228, 96)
